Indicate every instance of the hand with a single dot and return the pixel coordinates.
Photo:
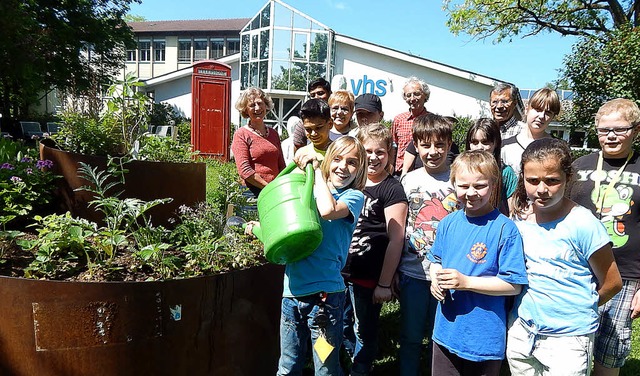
(451, 279)
(437, 292)
(248, 228)
(382, 294)
(303, 158)
(635, 306)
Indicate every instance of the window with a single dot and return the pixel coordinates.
(184, 50)
(144, 49)
(158, 50)
(217, 48)
(233, 46)
(131, 55)
(199, 49)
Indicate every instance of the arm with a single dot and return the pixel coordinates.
(244, 165)
(606, 271)
(328, 207)
(453, 279)
(396, 217)
(407, 163)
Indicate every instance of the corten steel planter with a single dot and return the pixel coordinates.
(184, 182)
(215, 325)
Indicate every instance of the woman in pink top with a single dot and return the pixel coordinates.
(255, 146)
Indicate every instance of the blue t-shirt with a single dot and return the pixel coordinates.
(561, 298)
(472, 325)
(320, 272)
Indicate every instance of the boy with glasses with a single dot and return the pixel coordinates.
(608, 183)
(318, 89)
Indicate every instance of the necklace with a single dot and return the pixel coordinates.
(259, 133)
(614, 180)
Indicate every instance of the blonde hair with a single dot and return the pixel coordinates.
(483, 162)
(344, 97)
(380, 133)
(342, 146)
(252, 92)
(628, 109)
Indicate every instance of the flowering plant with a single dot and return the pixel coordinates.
(25, 182)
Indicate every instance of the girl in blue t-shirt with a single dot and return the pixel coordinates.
(376, 246)
(477, 261)
(570, 267)
(314, 290)
(484, 134)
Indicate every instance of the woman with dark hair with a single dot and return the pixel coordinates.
(255, 146)
(484, 134)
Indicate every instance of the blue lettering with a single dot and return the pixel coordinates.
(356, 89)
(382, 88)
(367, 83)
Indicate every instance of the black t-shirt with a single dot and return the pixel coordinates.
(620, 213)
(370, 239)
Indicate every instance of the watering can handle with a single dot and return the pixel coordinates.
(307, 193)
(287, 169)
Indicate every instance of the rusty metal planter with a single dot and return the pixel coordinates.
(184, 182)
(226, 324)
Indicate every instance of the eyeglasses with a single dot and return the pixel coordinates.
(416, 94)
(617, 131)
(501, 102)
(340, 109)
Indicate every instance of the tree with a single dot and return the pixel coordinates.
(502, 20)
(65, 44)
(603, 69)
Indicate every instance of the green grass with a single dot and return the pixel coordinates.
(387, 361)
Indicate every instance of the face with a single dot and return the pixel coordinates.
(538, 120)
(545, 184)
(434, 154)
(319, 92)
(256, 109)
(341, 114)
(343, 168)
(365, 117)
(616, 145)
(317, 130)
(502, 106)
(473, 190)
(415, 97)
(378, 157)
(479, 141)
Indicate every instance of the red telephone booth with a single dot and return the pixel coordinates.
(210, 117)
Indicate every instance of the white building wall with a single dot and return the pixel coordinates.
(367, 71)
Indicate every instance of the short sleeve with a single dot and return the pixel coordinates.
(354, 200)
(509, 181)
(411, 148)
(511, 260)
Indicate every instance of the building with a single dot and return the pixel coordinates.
(280, 50)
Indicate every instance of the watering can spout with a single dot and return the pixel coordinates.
(257, 231)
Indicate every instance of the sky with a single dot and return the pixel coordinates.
(414, 26)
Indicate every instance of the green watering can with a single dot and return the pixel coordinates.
(289, 224)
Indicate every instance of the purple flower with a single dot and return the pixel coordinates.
(25, 159)
(44, 164)
(7, 166)
(15, 179)
(29, 171)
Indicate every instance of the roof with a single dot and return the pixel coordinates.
(230, 24)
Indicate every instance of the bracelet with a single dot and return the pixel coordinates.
(384, 287)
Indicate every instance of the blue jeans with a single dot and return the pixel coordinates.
(366, 315)
(349, 339)
(297, 324)
(417, 313)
